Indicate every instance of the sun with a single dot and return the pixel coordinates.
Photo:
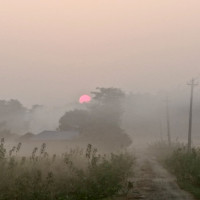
(84, 99)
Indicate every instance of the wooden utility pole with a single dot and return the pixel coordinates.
(168, 122)
(161, 131)
(192, 84)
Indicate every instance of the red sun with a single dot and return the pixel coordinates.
(84, 99)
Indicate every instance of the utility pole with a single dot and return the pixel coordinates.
(192, 84)
(161, 131)
(168, 122)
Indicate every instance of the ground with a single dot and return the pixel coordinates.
(153, 182)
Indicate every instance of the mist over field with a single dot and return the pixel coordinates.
(143, 117)
(99, 100)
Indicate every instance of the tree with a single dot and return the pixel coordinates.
(74, 120)
(107, 103)
(14, 116)
(101, 121)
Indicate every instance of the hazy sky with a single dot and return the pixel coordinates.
(52, 51)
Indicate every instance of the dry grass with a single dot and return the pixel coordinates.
(75, 175)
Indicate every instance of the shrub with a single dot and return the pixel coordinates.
(74, 175)
(182, 163)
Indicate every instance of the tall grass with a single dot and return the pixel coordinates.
(75, 175)
(183, 164)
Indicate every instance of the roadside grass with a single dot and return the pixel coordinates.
(181, 163)
(75, 175)
(193, 189)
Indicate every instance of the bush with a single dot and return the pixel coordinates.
(185, 164)
(182, 163)
(75, 175)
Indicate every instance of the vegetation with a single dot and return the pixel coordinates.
(101, 119)
(183, 164)
(75, 175)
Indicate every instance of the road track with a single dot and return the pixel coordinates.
(153, 182)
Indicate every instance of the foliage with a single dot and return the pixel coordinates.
(101, 121)
(12, 117)
(75, 175)
(73, 120)
(183, 164)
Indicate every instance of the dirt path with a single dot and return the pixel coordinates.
(153, 182)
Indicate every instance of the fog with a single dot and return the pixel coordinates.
(95, 101)
(54, 51)
(145, 116)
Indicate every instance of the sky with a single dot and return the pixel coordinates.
(53, 51)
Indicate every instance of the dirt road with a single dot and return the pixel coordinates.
(153, 182)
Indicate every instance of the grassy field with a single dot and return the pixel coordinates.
(75, 175)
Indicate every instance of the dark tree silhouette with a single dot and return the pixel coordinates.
(101, 121)
(74, 120)
(13, 116)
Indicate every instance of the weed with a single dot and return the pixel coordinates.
(71, 176)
